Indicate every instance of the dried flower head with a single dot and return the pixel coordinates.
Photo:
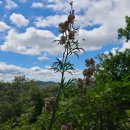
(80, 83)
(88, 81)
(71, 18)
(62, 27)
(49, 104)
(64, 127)
(85, 71)
(62, 39)
(90, 72)
(67, 127)
(71, 34)
(92, 62)
(66, 23)
(87, 62)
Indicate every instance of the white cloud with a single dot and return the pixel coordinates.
(95, 39)
(31, 42)
(43, 57)
(7, 73)
(3, 26)
(58, 5)
(10, 4)
(107, 13)
(113, 50)
(50, 20)
(126, 45)
(19, 20)
(37, 5)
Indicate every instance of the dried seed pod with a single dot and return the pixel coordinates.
(48, 108)
(85, 72)
(64, 127)
(48, 104)
(66, 23)
(93, 68)
(47, 100)
(71, 34)
(90, 72)
(69, 125)
(62, 27)
(88, 81)
(62, 40)
(71, 18)
(87, 62)
(92, 62)
(80, 83)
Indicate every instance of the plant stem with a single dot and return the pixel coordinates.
(55, 107)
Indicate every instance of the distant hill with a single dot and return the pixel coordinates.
(41, 83)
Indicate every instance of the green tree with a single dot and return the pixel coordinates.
(113, 67)
(126, 31)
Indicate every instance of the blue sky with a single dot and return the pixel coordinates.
(28, 27)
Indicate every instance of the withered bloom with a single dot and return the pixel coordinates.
(71, 34)
(67, 127)
(70, 127)
(71, 18)
(89, 81)
(85, 71)
(87, 62)
(64, 127)
(62, 27)
(90, 72)
(92, 62)
(62, 40)
(49, 104)
(80, 83)
(66, 23)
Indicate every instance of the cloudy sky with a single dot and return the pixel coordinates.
(28, 27)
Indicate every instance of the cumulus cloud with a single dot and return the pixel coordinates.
(43, 57)
(126, 45)
(37, 5)
(50, 20)
(94, 39)
(32, 42)
(58, 5)
(109, 14)
(7, 72)
(10, 4)
(19, 20)
(3, 26)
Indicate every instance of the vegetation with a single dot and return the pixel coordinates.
(103, 105)
(125, 32)
(99, 101)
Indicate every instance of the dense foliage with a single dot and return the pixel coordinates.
(103, 106)
(125, 32)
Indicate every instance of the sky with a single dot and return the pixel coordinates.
(28, 28)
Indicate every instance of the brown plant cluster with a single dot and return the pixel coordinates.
(67, 127)
(67, 29)
(49, 104)
(87, 73)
